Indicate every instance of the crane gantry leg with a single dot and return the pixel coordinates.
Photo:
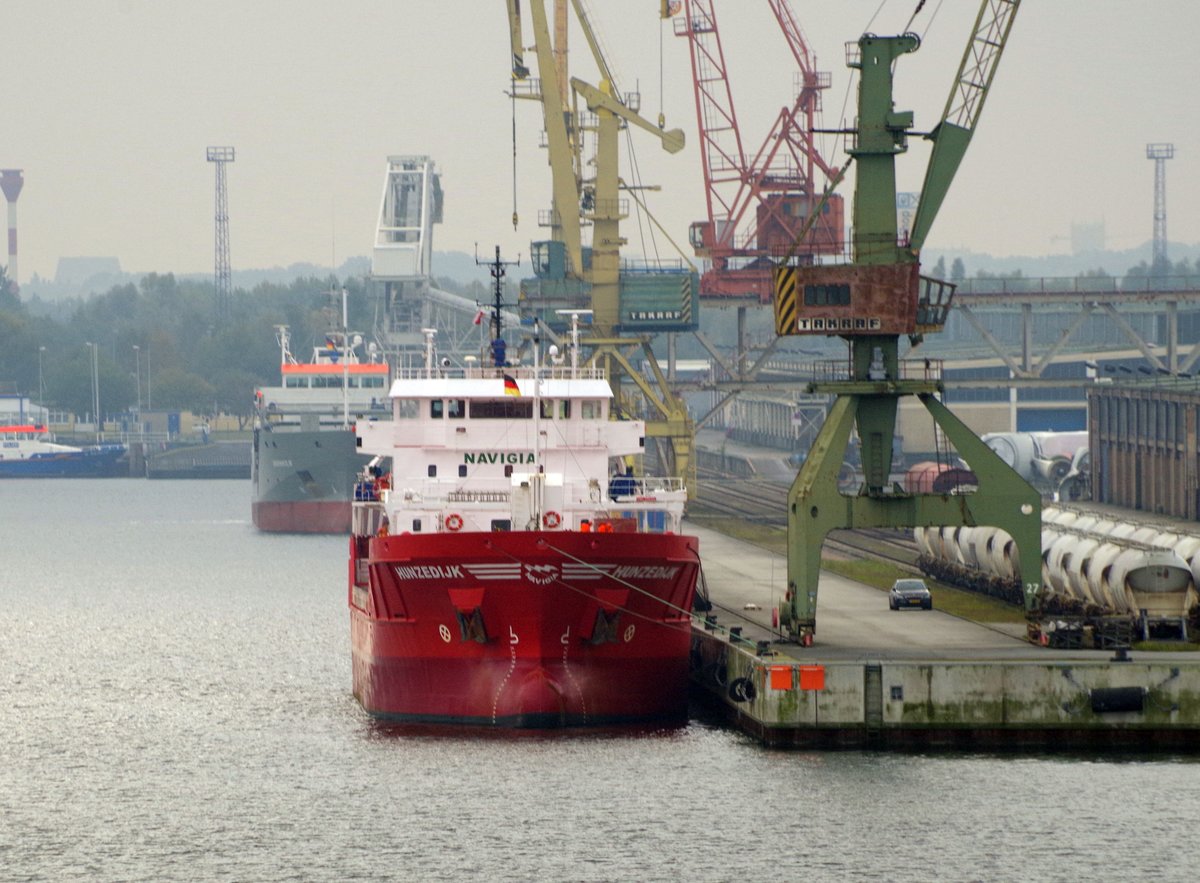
(817, 506)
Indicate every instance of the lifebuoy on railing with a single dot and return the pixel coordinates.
(551, 520)
(454, 521)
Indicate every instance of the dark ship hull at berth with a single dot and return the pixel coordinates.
(304, 481)
(304, 460)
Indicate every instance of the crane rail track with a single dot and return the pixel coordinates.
(760, 501)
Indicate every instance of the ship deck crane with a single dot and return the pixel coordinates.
(570, 274)
(871, 302)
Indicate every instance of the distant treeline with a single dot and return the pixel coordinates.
(161, 337)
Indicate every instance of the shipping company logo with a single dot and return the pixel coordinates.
(508, 570)
(538, 574)
(541, 574)
(513, 458)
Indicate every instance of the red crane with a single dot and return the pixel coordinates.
(757, 204)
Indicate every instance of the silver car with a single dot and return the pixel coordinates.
(910, 593)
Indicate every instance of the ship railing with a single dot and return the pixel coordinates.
(464, 496)
(841, 370)
(475, 372)
(642, 492)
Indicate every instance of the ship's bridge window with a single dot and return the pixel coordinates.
(559, 407)
(405, 409)
(293, 382)
(591, 409)
(372, 381)
(455, 409)
(501, 409)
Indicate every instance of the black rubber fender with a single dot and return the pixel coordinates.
(742, 690)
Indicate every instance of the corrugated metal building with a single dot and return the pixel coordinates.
(1142, 438)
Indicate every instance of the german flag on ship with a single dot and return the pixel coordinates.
(510, 386)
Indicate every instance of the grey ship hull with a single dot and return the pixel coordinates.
(303, 481)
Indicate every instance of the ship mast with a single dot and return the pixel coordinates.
(345, 364)
(282, 334)
(496, 268)
(430, 334)
(538, 477)
(574, 314)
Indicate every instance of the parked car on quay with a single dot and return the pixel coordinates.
(910, 593)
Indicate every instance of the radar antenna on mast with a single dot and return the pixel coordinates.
(496, 267)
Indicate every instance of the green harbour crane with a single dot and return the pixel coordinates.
(871, 302)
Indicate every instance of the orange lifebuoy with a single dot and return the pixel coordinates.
(454, 522)
(551, 520)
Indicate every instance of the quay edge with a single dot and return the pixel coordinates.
(1141, 704)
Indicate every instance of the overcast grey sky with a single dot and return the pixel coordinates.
(110, 104)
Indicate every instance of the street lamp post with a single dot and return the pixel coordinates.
(149, 406)
(137, 352)
(41, 383)
(96, 387)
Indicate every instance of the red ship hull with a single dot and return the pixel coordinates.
(323, 516)
(522, 629)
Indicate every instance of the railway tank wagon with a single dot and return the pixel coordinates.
(1111, 577)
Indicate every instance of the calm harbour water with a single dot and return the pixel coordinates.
(175, 705)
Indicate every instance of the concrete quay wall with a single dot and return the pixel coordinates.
(984, 704)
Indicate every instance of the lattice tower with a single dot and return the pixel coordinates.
(1160, 153)
(222, 271)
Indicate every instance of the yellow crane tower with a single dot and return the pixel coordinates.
(628, 304)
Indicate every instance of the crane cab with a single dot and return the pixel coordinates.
(846, 300)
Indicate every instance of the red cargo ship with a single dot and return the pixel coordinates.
(504, 568)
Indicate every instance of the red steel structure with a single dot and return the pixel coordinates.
(757, 203)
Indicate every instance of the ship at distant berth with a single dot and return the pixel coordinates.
(28, 450)
(505, 567)
(304, 461)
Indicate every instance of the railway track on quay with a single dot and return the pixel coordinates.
(757, 501)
